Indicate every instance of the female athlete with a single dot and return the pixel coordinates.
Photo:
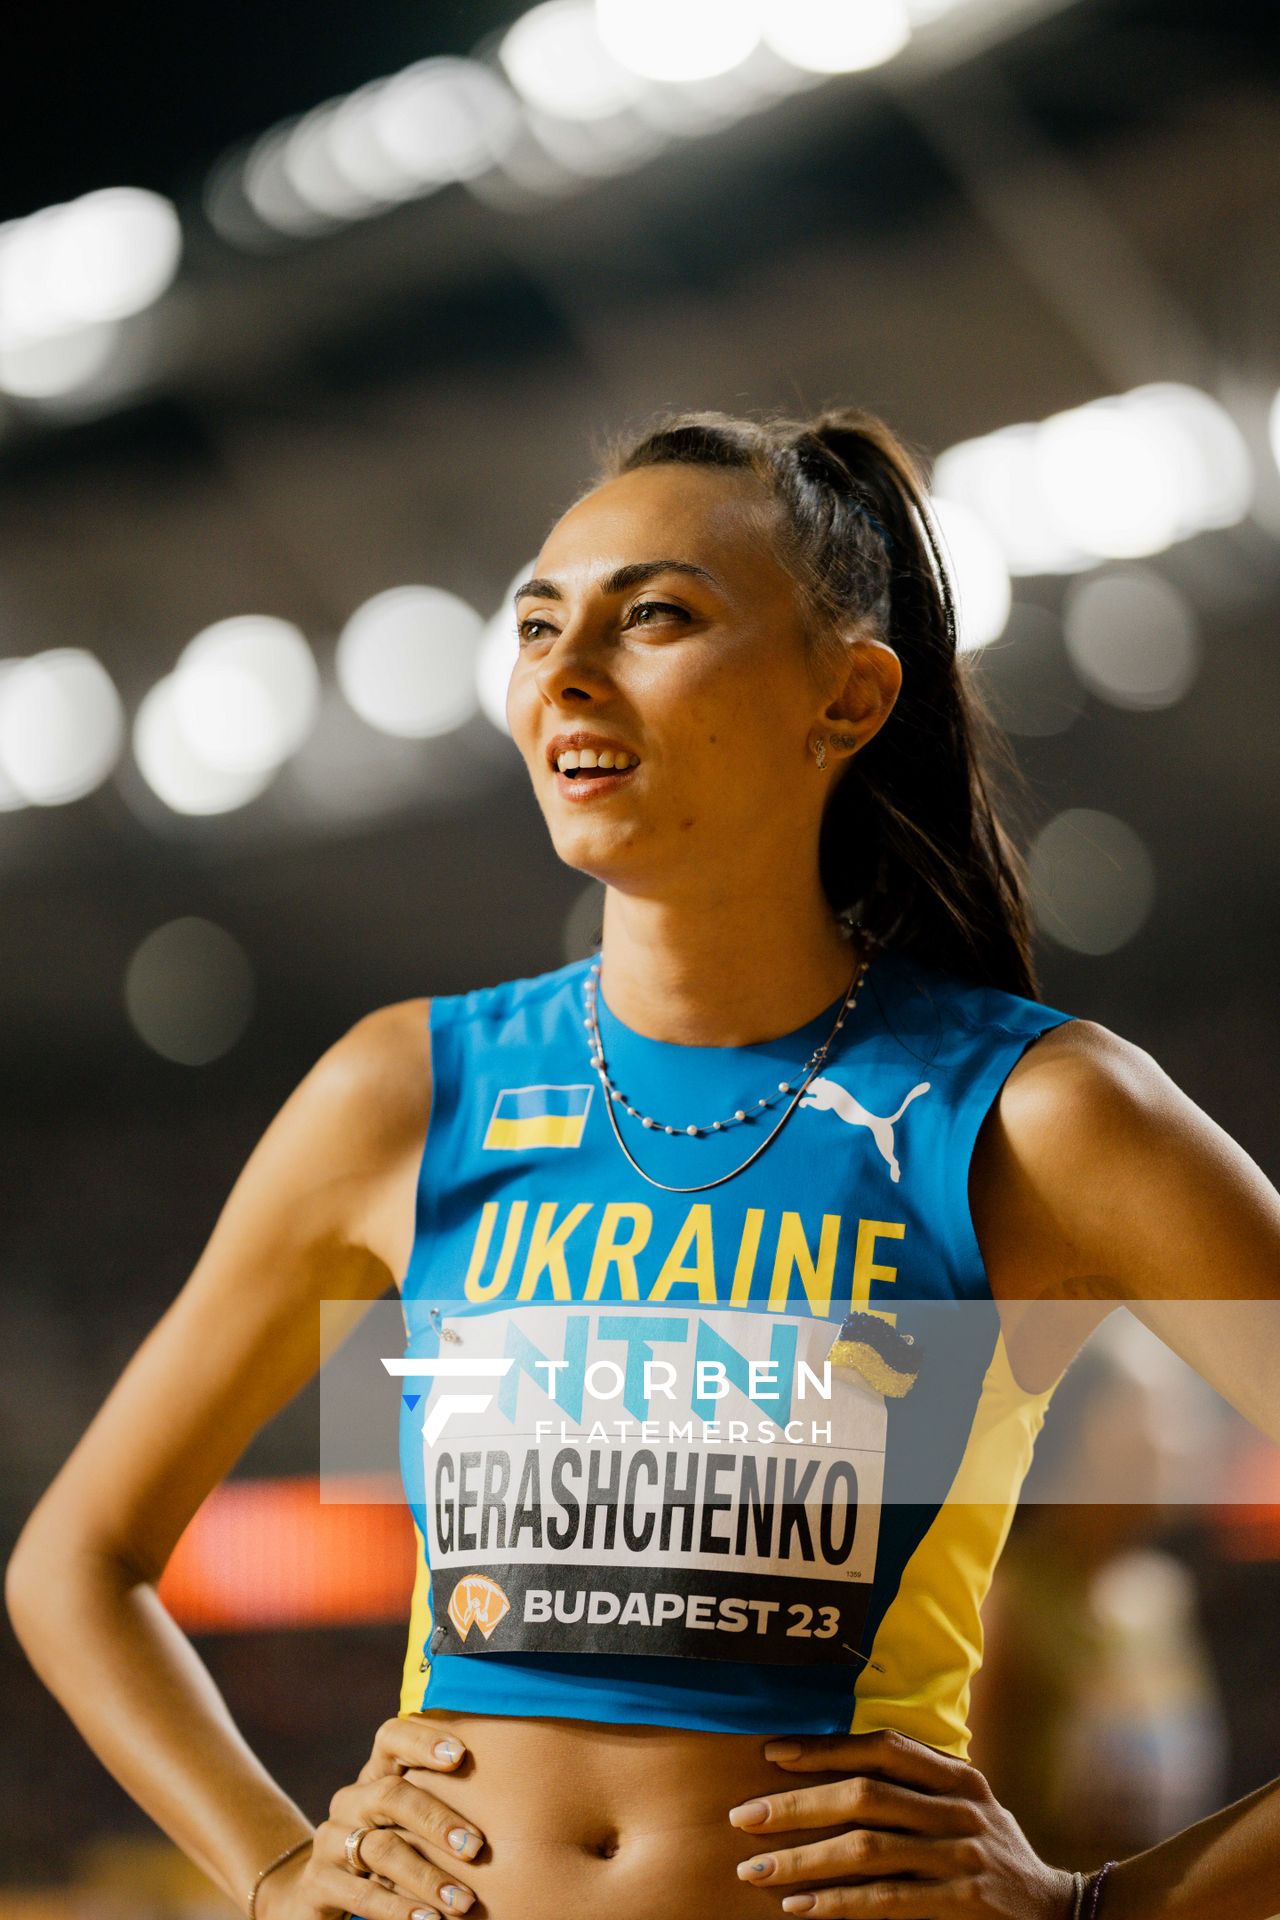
(740, 704)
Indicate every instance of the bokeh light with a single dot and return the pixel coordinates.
(1118, 478)
(1132, 637)
(350, 135)
(268, 187)
(11, 796)
(594, 149)
(175, 771)
(1108, 481)
(439, 120)
(832, 36)
(59, 363)
(496, 653)
(102, 257)
(311, 159)
(1092, 880)
(406, 661)
(443, 119)
(997, 477)
(979, 573)
(61, 726)
(1208, 450)
(556, 61)
(678, 39)
(189, 991)
(245, 693)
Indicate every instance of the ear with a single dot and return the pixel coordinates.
(866, 699)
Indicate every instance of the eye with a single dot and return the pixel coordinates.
(659, 606)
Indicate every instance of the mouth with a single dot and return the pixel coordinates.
(587, 770)
(592, 783)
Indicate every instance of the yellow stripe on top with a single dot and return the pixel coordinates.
(417, 1661)
(540, 1130)
(929, 1643)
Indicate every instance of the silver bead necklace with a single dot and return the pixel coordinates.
(785, 1088)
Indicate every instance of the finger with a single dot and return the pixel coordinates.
(862, 1854)
(409, 1740)
(888, 1753)
(878, 1900)
(334, 1887)
(863, 1800)
(394, 1801)
(391, 1854)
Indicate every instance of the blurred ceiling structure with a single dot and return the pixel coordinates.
(1037, 203)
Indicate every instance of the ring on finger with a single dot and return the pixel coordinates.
(351, 1847)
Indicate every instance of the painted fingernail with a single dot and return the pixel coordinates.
(783, 1750)
(749, 1814)
(424, 1913)
(799, 1903)
(447, 1749)
(457, 1899)
(758, 1869)
(463, 1842)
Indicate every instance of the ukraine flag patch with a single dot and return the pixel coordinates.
(538, 1117)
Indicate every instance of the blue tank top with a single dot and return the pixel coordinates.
(632, 1497)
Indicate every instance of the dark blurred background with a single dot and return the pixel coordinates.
(382, 280)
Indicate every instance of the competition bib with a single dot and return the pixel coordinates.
(606, 1479)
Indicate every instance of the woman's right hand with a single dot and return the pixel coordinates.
(412, 1838)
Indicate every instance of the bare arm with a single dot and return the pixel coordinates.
(318, 1212)
(1100, 1183)
(1115, 1187)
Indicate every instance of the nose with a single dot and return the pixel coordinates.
(572, 671)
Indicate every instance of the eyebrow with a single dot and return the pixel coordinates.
(619, 581)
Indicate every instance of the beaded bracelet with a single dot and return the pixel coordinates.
(271, 1866)
(1098, 1880)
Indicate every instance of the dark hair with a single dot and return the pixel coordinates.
(911, 844)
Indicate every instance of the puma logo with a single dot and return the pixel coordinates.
(826, 1096)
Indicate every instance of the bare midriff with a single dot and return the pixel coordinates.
(589, 1821)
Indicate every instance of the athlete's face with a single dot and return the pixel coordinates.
(700, 674)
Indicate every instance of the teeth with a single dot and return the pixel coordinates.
(615, 758)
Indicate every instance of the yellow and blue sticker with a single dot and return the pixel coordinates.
(538, 1117)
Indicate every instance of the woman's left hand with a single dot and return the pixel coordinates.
(919, 1836)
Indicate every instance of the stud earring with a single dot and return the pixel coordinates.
(844, 739)
(820, 751)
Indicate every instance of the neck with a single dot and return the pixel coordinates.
(723, 972)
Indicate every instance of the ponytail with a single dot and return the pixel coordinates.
(912, 846)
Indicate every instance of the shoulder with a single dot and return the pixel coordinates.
(1060, 1125)
(373, 1084)
(1102, 1161)
(379, 1073)
(1082, 1077)
(1077, 1107)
